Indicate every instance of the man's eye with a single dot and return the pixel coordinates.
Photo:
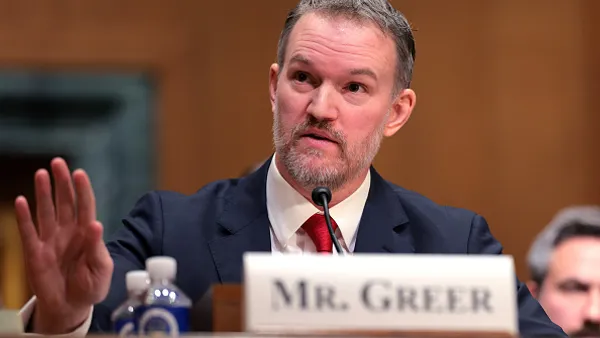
(354, 87)
(301, 76)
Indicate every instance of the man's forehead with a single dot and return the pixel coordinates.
(577, 256)
(338, 20)
(338, 28)
(339, 37)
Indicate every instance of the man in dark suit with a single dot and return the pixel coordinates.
(341, 83)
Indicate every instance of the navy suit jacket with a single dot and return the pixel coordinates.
(208, 232)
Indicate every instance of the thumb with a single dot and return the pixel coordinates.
(98, 252)
(99, 262)
(95, 232)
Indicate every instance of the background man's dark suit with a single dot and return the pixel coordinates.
(209, 231)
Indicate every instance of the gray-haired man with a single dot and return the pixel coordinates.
(564, 261)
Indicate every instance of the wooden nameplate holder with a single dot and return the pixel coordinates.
(228, 316)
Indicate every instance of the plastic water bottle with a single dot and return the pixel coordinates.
(124, 317)
(166, 309)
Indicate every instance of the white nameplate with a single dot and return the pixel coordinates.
(299, 293)
(10, 322)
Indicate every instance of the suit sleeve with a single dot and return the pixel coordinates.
(139, 238)
(533, 321)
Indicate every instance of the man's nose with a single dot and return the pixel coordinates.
(323, 105)
(592, 307)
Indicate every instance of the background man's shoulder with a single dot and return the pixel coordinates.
(447, 227)
(212, 193)
(417, 203)
(186, 211)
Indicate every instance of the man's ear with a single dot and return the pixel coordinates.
(534, 288)
(402, 108)
(273, 79)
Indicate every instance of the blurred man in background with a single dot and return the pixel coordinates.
(564, 261)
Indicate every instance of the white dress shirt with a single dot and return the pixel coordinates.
(287, 210)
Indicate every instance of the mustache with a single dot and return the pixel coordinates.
(588, 330)
(320, 125)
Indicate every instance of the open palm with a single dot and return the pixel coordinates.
(68, 266)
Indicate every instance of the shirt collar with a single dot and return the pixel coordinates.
(288, 209)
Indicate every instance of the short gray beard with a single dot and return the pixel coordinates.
(351, 163)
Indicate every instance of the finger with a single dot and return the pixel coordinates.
(94, 233)
(64, 193)
(86, 202)
(45, 206)
(95, 241)
(99, 260)
(29, 236)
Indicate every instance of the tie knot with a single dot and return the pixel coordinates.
(316, 229)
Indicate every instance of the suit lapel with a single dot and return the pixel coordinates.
(384, 225)
(244, 226)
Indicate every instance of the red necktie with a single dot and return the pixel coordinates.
(316, 228)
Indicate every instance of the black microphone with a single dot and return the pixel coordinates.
(321, 197)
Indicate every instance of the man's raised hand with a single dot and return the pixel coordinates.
(68, 266)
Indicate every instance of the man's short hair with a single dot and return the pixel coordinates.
(380, 12)
(576, 221)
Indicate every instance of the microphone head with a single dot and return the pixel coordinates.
(317, 194)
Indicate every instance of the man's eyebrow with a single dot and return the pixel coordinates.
(364, 71)
(299, 58)
(573, 283)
